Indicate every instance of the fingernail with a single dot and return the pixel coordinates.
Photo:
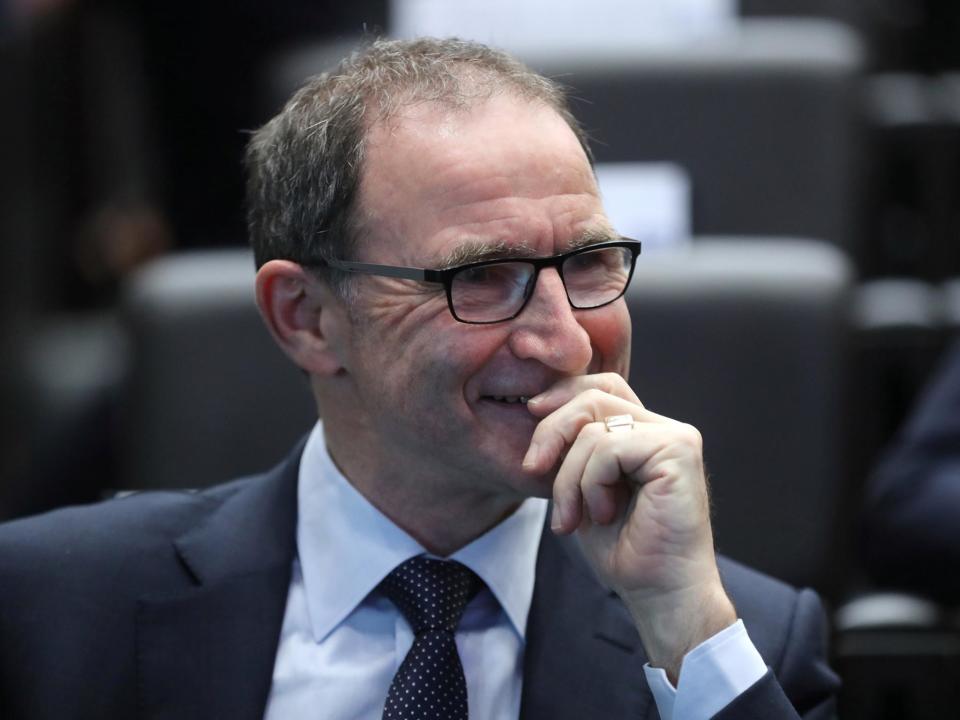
(533, 453)
(556, 522)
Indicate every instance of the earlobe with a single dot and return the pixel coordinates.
(295, 306)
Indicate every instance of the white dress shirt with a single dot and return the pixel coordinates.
(340, 644)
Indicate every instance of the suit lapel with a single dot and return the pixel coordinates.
(208, 651)
(583, 657)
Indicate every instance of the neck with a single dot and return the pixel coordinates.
(441, 514)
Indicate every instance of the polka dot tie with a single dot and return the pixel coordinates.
(431, 594)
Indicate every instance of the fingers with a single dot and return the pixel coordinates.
(596, 472)
(594, 482)
(568, 388)
(567, 494)
(557, 432)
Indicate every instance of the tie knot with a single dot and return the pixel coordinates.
(431, 594)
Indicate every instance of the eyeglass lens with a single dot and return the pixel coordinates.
(488, 293)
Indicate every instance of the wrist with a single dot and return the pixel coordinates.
(672, 624)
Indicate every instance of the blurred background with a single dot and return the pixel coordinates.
(792, 166)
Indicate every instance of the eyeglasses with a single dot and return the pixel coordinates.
(491, 291)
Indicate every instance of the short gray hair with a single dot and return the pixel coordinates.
(303, 166)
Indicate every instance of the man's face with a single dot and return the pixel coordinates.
(434, 396)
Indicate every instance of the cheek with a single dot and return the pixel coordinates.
(464, 352)
(609, 330)
(439, 358)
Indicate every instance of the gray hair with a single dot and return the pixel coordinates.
(303, 166)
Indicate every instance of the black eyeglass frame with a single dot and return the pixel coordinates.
(445, 276)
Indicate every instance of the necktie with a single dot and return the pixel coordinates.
(431, 594)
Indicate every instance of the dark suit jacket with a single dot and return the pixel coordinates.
(169, 605)
(913, 500)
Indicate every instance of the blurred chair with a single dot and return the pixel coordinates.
(209, 396)
(898, 338)
(899, 656)
(747, 340)
(901, 34)
(61, 391)
(797, 8)
(765, 120)
(951, 305)
(914, 179)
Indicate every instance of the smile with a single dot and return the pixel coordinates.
(522, 399)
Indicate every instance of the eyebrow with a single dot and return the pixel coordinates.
(473, 251)
(593, 236)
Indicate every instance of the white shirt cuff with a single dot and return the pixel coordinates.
(712, 675)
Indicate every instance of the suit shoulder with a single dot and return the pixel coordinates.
(106, 532)
(741, 580)
(775, 614)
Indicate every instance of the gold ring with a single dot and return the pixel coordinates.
(618, 423)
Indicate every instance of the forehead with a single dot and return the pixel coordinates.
(505, 171)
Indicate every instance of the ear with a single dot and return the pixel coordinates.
(302, 314)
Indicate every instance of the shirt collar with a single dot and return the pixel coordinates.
(346, 546)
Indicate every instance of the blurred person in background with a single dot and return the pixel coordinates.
(912, 538)
(403, 560)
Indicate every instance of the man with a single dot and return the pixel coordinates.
(396, 565)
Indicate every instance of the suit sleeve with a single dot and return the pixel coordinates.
(801, 684)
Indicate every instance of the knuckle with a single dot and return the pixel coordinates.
(585, 416)
(612, 381)
(594, 395)
(594, 400)
(690, 436)
(543, 429)
(591, 429)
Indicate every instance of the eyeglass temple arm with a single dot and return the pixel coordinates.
(407, 273)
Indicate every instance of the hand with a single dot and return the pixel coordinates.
(639, 503)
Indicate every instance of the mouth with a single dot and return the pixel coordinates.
(507, 399)
(507, 411)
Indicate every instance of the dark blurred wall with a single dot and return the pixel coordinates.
(141, 111)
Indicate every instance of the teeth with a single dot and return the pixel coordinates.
(511, 398)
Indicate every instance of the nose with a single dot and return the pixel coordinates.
(547, 330)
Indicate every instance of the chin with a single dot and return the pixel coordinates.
(540, 486)
(523, 485)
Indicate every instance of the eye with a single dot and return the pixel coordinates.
(604, 260)
(478, 275)
(585, 261)
(505, 273)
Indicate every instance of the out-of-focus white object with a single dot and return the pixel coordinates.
(887, 610)
(649, 202)
(522, 26)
